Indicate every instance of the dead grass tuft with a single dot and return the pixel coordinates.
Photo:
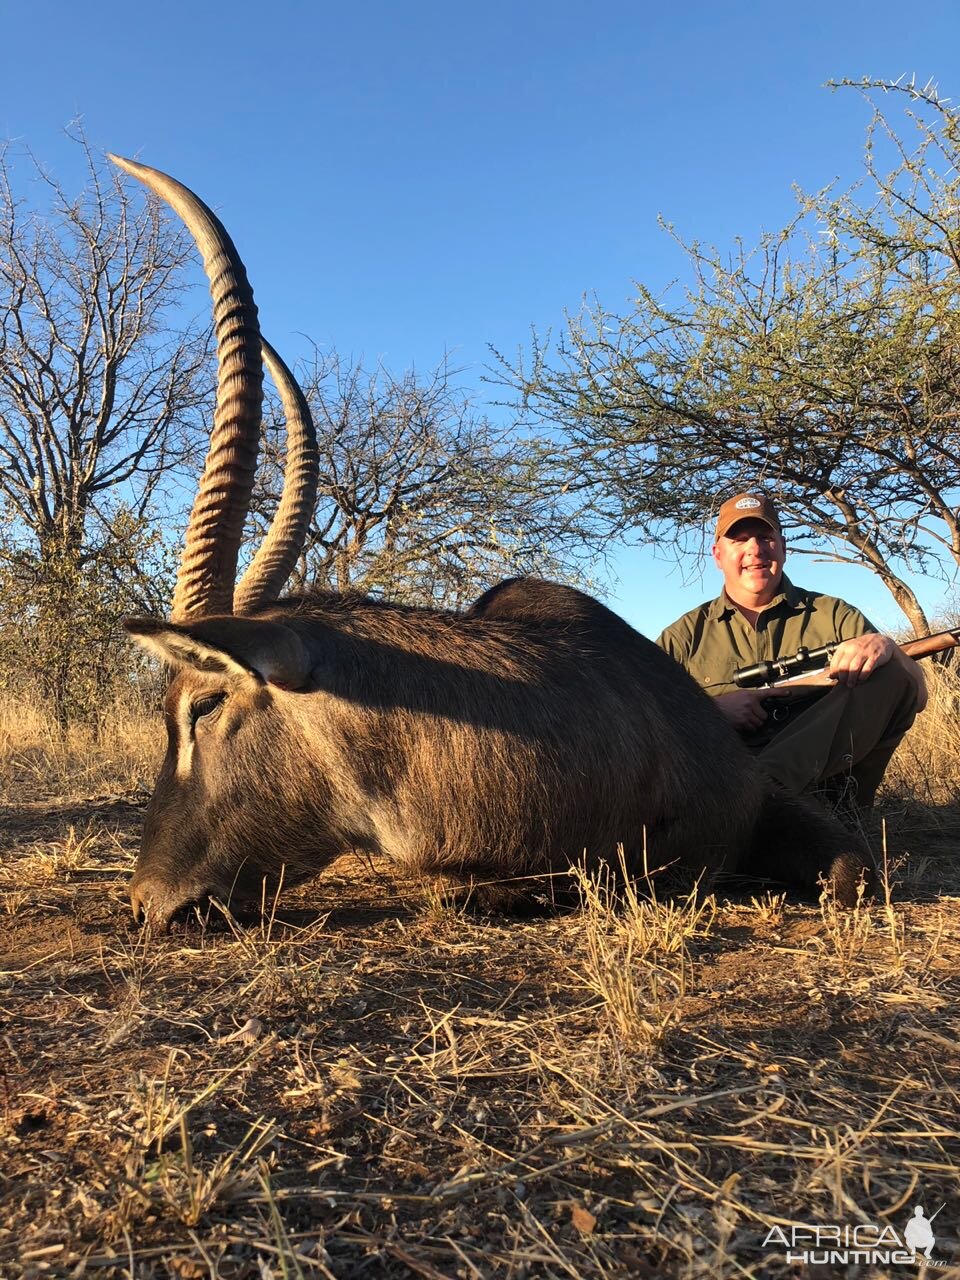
(635, 952)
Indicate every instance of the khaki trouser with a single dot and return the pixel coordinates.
(848, 731)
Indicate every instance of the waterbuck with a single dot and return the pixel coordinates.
(497, 745)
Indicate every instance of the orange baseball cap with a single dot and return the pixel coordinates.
(746, 506)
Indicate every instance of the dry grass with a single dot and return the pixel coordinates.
(635, 954)
(373, 1083)
(120, 754)
(926, 767)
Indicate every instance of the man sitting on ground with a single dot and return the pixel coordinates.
(845, 733)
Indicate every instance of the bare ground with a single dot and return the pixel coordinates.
(377, 1084)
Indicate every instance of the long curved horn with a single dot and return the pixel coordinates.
(271, 566)
(208, 566)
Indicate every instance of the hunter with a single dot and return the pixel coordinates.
(840, 736)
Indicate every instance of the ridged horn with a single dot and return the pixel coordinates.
(273, 563)
(208, 565)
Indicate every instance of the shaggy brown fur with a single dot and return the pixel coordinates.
(535, 730)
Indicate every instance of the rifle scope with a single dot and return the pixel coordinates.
(795, 664)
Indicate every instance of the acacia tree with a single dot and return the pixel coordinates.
(99, 405)
(823, 365)
(420, 498)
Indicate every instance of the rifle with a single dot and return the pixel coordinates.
(806, 668)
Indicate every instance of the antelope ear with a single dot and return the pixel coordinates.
(229, 646)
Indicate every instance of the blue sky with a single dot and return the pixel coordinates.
(405, 180)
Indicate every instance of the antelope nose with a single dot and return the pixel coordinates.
(154, 902)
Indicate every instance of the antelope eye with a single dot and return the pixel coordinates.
(204, 707)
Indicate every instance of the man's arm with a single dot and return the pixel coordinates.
(860, 652)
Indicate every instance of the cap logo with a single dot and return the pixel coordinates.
(747, 504)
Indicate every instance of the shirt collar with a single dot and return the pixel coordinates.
(722, 608)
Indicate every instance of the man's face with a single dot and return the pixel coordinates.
(750, 556)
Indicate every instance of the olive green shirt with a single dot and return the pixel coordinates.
(714, 639)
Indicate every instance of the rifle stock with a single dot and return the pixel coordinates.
(926, 645)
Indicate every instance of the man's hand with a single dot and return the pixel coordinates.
(855, 660)
(744, 708)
